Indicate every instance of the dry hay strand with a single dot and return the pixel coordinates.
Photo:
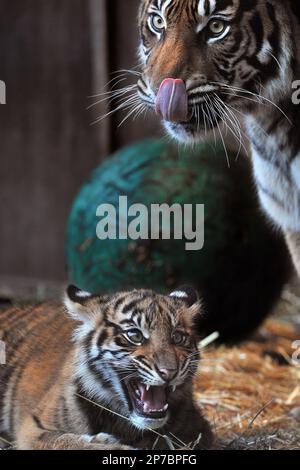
(251, 393)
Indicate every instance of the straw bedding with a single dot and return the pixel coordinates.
(251, 393)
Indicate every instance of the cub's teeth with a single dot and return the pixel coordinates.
(147, 388)
(166, 407)
(174, 388)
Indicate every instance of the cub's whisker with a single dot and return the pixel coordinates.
(165, 437)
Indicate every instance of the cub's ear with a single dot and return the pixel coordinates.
(78, 304)
(188, 294)
(191, 298)
(78, 296)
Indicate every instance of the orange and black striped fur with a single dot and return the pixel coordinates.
(134, 353)
(237, 59)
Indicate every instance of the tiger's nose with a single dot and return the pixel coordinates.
(167, 374)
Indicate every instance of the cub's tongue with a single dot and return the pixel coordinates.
(172, 100)
(154, 399)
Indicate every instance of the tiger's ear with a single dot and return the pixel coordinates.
(190, 297)
(79, 304)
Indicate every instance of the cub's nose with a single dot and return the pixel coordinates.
(167, 374)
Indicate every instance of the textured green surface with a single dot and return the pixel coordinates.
(156, 172)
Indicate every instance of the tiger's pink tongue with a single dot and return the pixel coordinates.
(172, 100)
(154, 399)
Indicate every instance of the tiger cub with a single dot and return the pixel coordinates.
(207, 62)
(115, 373)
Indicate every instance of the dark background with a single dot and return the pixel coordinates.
(55, 54)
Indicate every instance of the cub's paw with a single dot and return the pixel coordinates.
(102, 437)
(105, 441)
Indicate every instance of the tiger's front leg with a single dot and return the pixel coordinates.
(293, 243)
(32, 437)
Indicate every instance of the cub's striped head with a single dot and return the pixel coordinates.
(205, 60)
(136, 351)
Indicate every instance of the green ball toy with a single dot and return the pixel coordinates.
(234, 272)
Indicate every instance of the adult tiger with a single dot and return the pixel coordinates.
(207, 61)
(116, 373)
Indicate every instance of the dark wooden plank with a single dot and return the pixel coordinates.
(98, 10)
(48, 147)
(25, 289)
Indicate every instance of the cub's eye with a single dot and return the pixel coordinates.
(217, 27)
(135, 336)
(156, 23)
(179, 337)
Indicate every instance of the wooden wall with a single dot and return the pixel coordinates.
(54, 54)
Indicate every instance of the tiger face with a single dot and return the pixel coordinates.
(136, 352)
(204, 61)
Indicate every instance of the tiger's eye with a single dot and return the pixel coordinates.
(157, 22)
(179, 337)
(217, 27)
(135, 336)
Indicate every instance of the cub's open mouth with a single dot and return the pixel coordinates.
(149, 401)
